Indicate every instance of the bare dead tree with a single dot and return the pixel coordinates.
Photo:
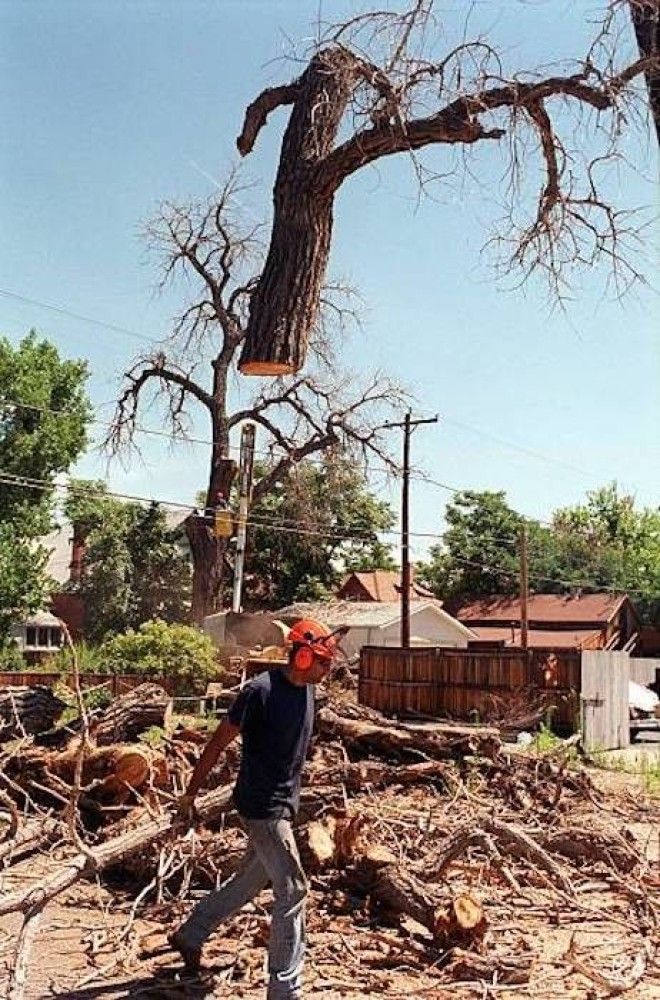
(219, 255)
(379, 85)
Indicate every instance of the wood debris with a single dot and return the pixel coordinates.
(433, 851)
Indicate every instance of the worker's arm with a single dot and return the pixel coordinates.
(222, 737)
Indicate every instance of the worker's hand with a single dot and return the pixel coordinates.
(186, 813)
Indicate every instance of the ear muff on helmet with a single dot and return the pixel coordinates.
(303, 657)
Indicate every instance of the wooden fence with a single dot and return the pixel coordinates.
(463, 684)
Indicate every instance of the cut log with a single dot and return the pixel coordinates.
(401, 893)
(317, 844)
(591, 845)
(438, 742)
(374, 774)
(27, 710)
(109, 773)
(463, 924)
(131, 714)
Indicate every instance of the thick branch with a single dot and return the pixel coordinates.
(257, 113)
(457, 122)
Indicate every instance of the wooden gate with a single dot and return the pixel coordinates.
(605, 700)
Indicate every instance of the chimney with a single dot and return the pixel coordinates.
(78, 547)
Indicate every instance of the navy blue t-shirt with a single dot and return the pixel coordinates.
(275, 719)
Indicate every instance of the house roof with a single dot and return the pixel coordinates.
(384, 585)
(539, 638)
(41, 619)
(365, 614)
(556, 609)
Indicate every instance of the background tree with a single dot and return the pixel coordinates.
(220, 256)
(610, 543)
(384, 83)
(333, 521)
(479, 554)
(134, 568)
(44, 415)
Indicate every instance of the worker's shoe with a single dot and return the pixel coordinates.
(191, 955)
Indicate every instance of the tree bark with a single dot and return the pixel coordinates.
(285, 304)
(131, 714)
(646, 21)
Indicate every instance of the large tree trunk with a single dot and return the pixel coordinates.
(646, 21)
(284, 307)
(209, 552)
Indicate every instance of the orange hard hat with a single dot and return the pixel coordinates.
(313, 636)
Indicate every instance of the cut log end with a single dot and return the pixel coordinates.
(463, 923)
(274, 369)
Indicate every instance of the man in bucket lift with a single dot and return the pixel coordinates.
(274, 715)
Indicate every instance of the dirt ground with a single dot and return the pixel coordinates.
(89, 947)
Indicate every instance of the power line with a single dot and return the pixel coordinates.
(39, 484)
(62, 311)
(539, 456)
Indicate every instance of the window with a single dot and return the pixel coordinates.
(30, 636)
(43, 637)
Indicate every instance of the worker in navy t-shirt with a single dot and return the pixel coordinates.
(274, 715)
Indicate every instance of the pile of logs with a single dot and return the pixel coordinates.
(25, 711)
(432, 832)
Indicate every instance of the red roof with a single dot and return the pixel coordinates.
(540, 638)
(596, 609)
(381, 585)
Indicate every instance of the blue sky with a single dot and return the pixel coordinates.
(108, 107)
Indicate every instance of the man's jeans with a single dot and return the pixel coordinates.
(272, 856)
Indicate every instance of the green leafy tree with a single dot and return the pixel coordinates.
(44, 416)
(161, 570)
(160, 649)
(605, 543)
(608, 542)
(134, 569)
(479, 554)
(339, 521)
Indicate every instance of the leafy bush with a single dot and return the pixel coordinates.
(90, 660)
(11, 657)
(181, 653)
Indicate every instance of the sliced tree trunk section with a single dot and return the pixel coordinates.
(132, 713)
(284, 307)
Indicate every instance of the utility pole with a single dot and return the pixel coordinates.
(248, 432)
(524, 588)
(408, 425)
